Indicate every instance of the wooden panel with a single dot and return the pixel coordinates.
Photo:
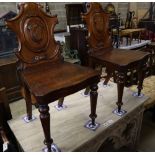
(5, 112)
(9, 79)
(78, 41)
(67, 126)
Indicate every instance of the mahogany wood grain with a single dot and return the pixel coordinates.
(117, 61)
(42, 70)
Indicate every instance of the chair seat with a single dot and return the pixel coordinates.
(47, 82)
(120, 57)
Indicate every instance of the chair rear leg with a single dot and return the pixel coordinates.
(140, 81)
(60, 102)
(107, 79)
(120, 89)
(109, 74)
(28, 103)
(87, 90)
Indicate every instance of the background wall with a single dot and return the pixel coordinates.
(140, 9)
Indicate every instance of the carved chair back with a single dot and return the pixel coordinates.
(35, 32)
(97, 22)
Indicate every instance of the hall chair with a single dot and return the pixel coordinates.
(42, 70)
(118, 62)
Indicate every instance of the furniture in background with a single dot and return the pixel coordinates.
(76, 29)
(5, 115)
(8, 142)
(73, 12)
(4, 106)
(130, 33)
(76, 39)
(8, 40)
(118, 62)
(9, 78)
(42, 70)
(129, 20)
(8, 75)
(114, 24)
(149, 23)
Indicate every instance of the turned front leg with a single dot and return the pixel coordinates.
(93, 102)
(45, 121)
(120, 79)
(28, 103)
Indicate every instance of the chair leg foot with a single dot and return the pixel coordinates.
(45, 121)
(90, 126)
(54, 148)
(27, 120)
(136, 94)
(60, 102)
(60, 106)
(87, 91)
(121, 112)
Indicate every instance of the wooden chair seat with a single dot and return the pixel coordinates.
(47, 82)
(120, 57)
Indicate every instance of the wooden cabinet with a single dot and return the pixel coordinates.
(78, 41)
(9, 79)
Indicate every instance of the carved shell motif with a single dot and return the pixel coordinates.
(35, 34)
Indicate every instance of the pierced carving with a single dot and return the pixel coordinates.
(120, 77)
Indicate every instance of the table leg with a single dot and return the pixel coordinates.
(45, 121)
